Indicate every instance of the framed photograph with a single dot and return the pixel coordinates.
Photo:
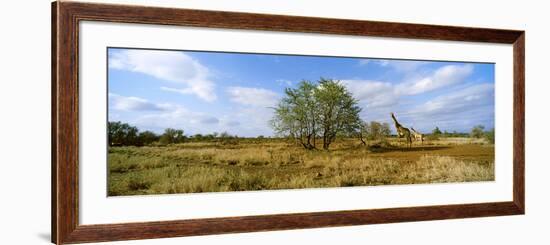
(177, 122)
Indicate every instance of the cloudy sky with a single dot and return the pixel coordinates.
(205, 92)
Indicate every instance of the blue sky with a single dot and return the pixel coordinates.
(205, 92)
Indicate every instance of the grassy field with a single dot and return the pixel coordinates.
(267, 164)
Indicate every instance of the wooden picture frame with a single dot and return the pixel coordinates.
(65, 121)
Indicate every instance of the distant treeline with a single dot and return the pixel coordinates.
(477, 132)
(437, 132)
(124, 134)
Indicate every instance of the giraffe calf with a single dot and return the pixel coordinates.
(417, 136)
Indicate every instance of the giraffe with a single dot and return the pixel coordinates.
(417, 135)
(402, 131)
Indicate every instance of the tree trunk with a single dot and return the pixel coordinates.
(325, 140)
(362, 140)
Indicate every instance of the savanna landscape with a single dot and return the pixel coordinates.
(317, 133)
(266, 164)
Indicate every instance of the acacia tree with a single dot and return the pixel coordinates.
(325, 110)
(296, 115)
(374, 131)
(490, 135)
(363, 132)
(122, 134)
(339, 112)
(147, 138)
(477, 131)
(172, 136)
(436, 131)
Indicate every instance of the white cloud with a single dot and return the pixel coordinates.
(459, 110)
(244, 121)
(257, 97)
(373, 94)
(177, 116)
(398, 65)
(123, 103)
(158, 116)
(284, 82)
(252, 117)
(364, 62)
(209, 120)
(200, 90)
(383, 62)
(459, 101)
(442, 77)
(254, 121)
(379, 98)
(170, 66)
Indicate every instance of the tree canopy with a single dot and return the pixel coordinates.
(477, 131)
(374, 131)
(325, 109)
(122, 134)
(436, 131)
(172, 136)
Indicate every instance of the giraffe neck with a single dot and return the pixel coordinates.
(397, 125)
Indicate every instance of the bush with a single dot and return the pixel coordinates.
(432, 137)
(436, 132)
(147, 138)
(490, 136)
(172, 136)
(122, 134)
(375, 130)
(477, 131)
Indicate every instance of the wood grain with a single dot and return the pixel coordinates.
(149, 230)
(54, 123)
(519, 122)
(65, 124)
(65, 150)
(234, 20)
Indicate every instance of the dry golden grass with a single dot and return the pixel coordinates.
(275, 164)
